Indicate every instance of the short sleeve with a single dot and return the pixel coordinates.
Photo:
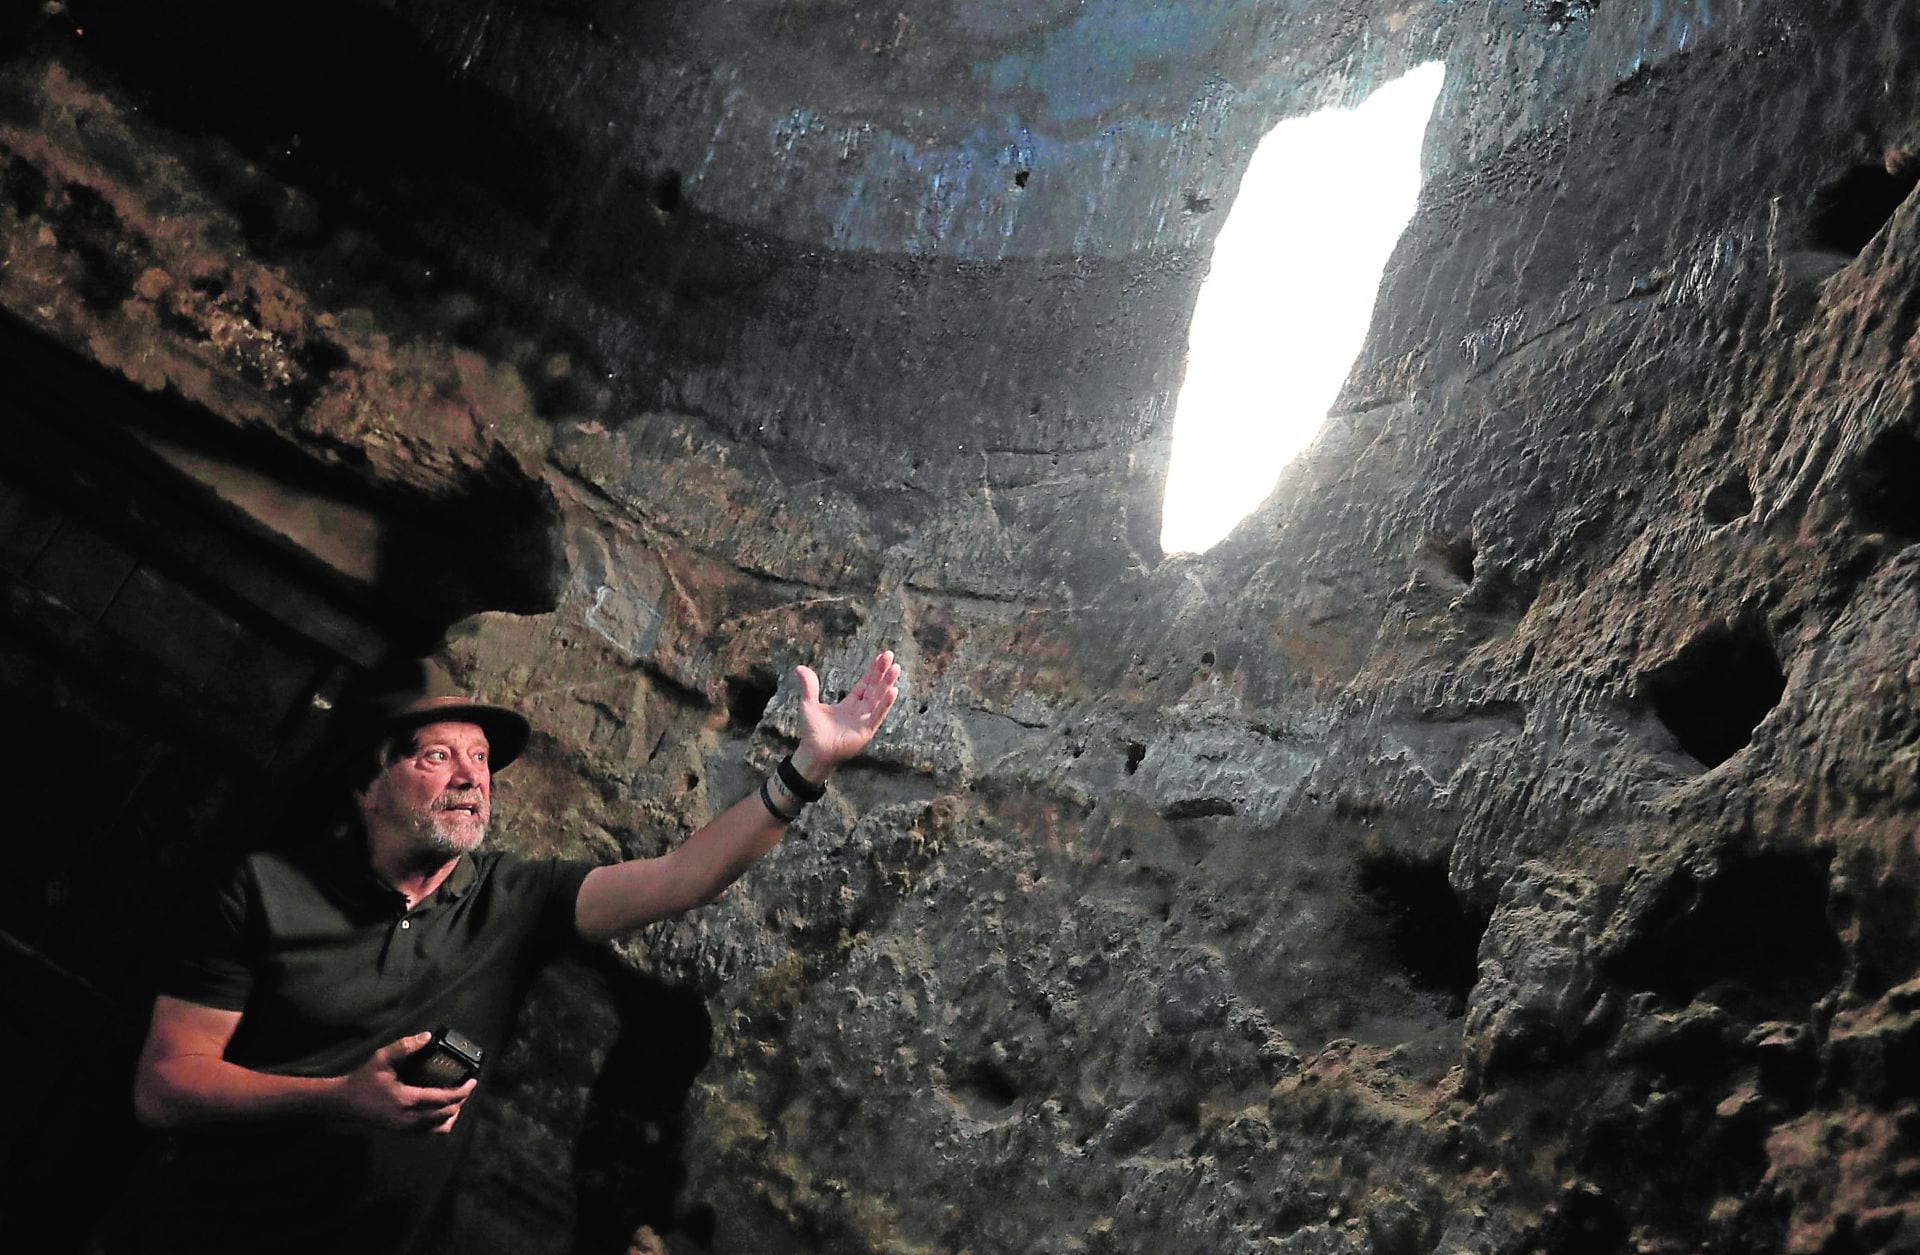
(545, 894)
(208, 962)
(558, 930)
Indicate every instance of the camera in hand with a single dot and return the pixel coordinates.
(443, 1063)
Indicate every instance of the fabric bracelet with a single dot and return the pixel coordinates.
(766, 800)
(797, 784)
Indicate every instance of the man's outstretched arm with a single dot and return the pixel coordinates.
(620, 898)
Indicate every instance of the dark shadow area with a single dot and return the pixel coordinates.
(149, 722)
(491, 542)
(1584, 1222)
(1849, 212)
(1755, 937)
(1886, 485)
(629, 1159)
(168, 671)
(1433, 935)
(1716, 690)
(452, 183)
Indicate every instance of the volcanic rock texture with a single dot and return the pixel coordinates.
(1504, 842)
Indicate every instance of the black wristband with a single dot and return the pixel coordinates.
(766, 800)
(797, 784)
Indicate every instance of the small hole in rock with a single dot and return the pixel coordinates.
(1206, 659)
(1886, 489)
(747, 698)
(986, 1089)
(1020, 177)
(1434, 937)
(1715, 692)
(1136, 754)
(666, 192)
(1850, 211)
(1459, 554)
(1731, 499)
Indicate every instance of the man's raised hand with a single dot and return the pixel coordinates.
(830, 735)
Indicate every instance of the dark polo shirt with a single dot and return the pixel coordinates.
(327, 965)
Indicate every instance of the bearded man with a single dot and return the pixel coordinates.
(278, 1055)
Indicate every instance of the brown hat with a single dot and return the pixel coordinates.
(414, 692)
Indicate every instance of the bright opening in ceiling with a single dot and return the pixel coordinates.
(1286, 304)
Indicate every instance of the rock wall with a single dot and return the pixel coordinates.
(1505, 842)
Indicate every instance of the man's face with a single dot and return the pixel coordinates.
(441, 789)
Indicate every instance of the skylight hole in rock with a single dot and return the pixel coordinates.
(1716, 690)
(1288, 299)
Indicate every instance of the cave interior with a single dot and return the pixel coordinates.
(1506, 840)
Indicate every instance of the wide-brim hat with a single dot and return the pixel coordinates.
(418, 691)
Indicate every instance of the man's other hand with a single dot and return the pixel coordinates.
(374, 1094)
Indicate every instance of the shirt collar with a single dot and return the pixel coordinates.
(348, 868)
(458, 881)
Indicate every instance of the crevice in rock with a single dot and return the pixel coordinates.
(1433, 934)
(88, 226)
(1136, 754)
(748, 696)
(1730, 499)
(1197, 808)
(1886, 486)
(1754, 932)
(1849, 212)
(1717, 689)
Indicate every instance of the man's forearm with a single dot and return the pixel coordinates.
(618, 899)
(200, 1089)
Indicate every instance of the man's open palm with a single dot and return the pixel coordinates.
(833, 734)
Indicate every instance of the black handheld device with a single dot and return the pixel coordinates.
(443, 1063)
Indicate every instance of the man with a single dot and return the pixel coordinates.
(279, 1046)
